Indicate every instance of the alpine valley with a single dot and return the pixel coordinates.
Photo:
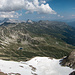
(24, 40)
(44, 43)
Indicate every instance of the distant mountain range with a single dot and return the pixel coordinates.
(22, 41)
(10, 21)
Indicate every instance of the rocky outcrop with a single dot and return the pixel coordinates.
(1, 73)
(69, 60)
(73, 73)
(29, 21)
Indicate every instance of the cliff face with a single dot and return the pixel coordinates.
(69, 60)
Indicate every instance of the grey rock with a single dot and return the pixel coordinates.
(69, 60)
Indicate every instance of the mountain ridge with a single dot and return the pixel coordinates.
(7, 20)
(22, 41)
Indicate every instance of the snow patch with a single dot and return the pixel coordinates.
(37, 66)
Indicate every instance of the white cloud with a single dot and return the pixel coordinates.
(60, 16)
(35, 2)
(11, 14)
(41, 17)
(45, 9)
(43, 1)
(73, 15)
(30, 6)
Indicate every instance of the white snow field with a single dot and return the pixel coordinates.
(35, 66)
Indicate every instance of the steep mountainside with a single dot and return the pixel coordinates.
(23, 41)
(69, 60)
(57, 29)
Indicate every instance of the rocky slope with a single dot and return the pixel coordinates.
(69, 60)
(22, 41)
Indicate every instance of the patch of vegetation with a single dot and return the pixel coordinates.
(38, 39)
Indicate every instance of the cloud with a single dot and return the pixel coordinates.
(29, 5)
(45, 9)
(73, 15)
(11, 14)
(41, 17)
(43, 1)
(60, 16)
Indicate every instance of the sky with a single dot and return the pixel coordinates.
(62, 10)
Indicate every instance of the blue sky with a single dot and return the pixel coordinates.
(62, 10)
